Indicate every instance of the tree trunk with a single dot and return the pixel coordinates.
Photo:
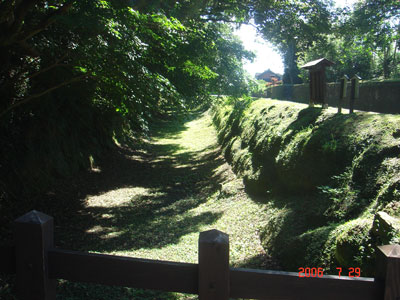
(386, 62)
(291, 74)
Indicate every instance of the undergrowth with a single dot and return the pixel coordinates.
(152, 202)
(323, 175)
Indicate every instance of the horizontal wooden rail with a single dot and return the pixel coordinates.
(123, 271)
(183, 277)
(38, 264)
(275, 285)
(7, 259)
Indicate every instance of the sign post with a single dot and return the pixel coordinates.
(343, 92)
(318, 80)
(355, 91)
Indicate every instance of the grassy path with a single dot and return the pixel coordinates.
(153, 204)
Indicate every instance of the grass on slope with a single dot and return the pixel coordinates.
(153, 202)
(324, 175)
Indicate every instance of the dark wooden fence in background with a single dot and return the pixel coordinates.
(381, 97)
(38, 264)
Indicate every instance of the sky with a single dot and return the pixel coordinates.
(266, 56)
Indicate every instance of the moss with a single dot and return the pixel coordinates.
(310, 245)
(388, 182)
(354, 245)
(386, 229)
(307, 147)
(393, 207)
(272, 229)
(328, 175)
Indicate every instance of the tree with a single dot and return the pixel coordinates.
(292, 26)
(364, 41)
(111, 29)
(377, 25)
(350, 58)
(76, 75)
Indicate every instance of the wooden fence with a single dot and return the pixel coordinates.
(37, 264)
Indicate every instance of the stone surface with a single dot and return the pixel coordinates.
(386, 228)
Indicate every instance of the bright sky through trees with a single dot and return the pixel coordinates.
(266, 56)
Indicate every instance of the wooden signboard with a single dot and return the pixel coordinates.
(317, 80)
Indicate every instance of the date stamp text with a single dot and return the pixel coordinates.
(319, 272)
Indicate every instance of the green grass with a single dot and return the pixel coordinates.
(154, 201)
(322, 174)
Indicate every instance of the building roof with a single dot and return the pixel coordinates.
(267, 74)
(318, 62)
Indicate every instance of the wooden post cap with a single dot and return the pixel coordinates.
(213, 236)
(388, 270)
(390, 250)
(34, 217)
(213, 265)
(33, 239)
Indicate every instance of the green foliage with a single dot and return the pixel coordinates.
(323, 175)
(354, 245)
(342, 196)
(76, 76)
(364, 41)
(377, 26)
(153, 203)
(257, 87)
(293, 26)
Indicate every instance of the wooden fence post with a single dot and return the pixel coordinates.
(213, 265)
(33, 238)
(343, 92)
(388, 270)
(355, 91)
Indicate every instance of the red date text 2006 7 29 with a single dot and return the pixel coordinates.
(319, 272)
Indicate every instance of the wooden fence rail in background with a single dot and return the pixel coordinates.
(38, 264)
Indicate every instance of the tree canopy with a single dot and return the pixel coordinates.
(293, 26)
(364, 40)
(77, 75)
(122, 52)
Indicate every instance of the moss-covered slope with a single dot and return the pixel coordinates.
(325, 176)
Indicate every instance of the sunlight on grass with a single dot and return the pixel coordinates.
(119, 197)
(198, 136)
(239, 214)
(184, 188)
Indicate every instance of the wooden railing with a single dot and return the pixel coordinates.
(38, 264)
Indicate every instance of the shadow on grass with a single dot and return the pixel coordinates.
(157, 190)
(78, 291)
(157, 186)
(260, 262)
(173, 125)
(127, 229)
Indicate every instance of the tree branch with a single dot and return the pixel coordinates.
(15, 33)
(140, 4)
(55, 64)
(19, 15)
(16, 78)
(216, 19)
(48, 21)
(30, 98)
(6, 11)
